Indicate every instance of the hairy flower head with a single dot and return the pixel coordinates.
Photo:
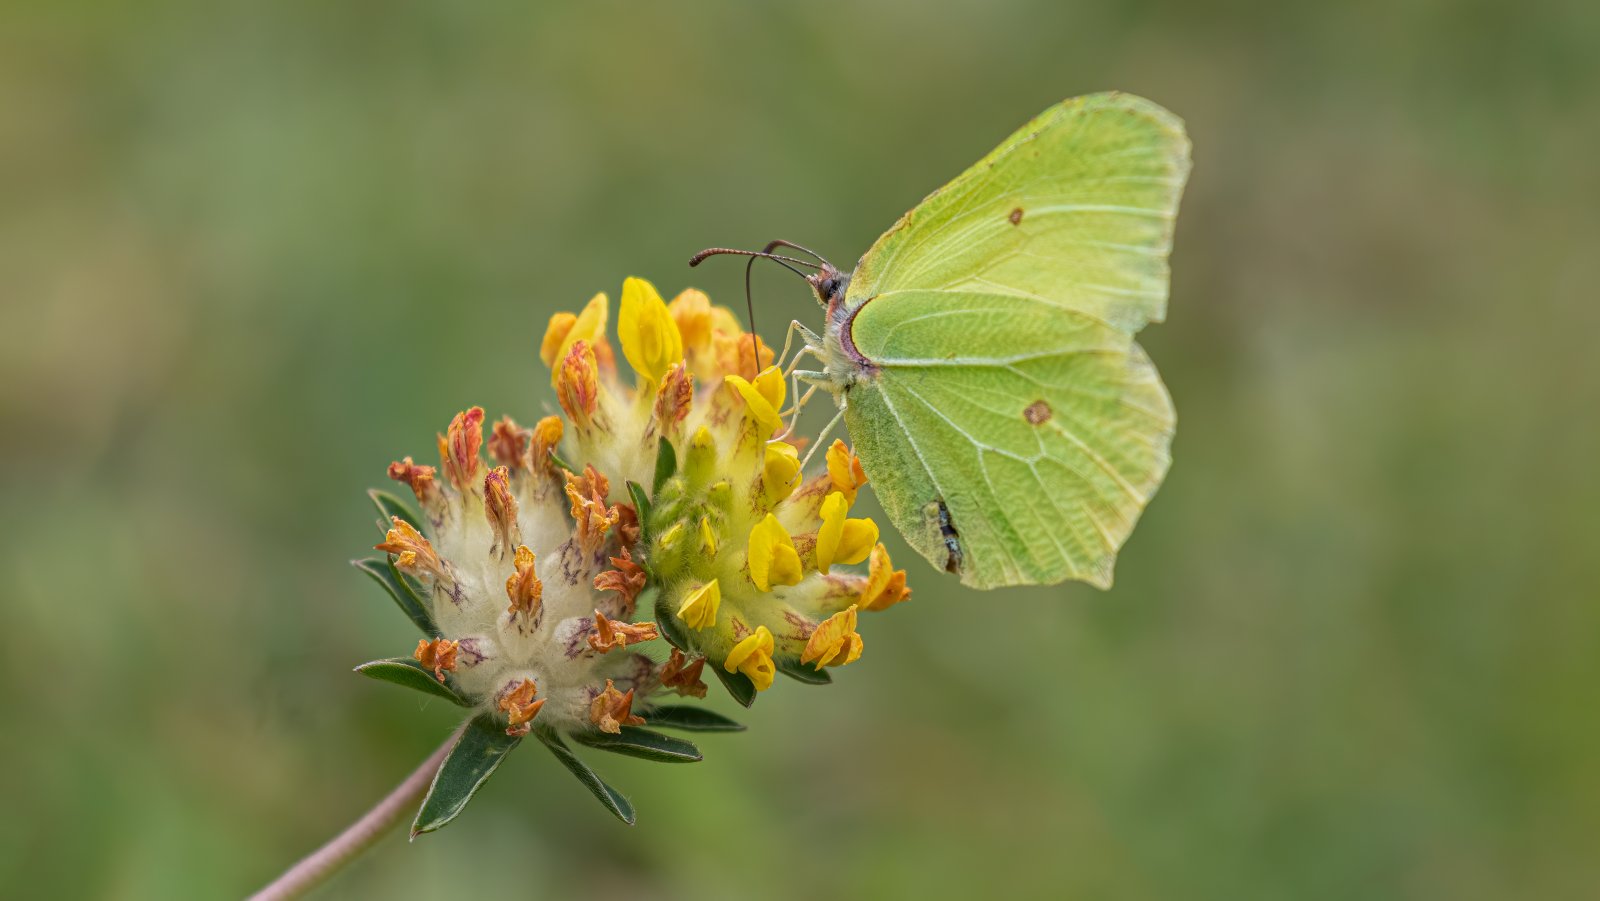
(673, 504)
(528, 579)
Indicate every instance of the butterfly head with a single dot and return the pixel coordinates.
(829, 284)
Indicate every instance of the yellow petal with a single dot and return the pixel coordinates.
(650, 337)
(759, 407)
(590, 327)
(699, 609)
(753, 657)
(726, 321)
(780, 473)
(886, 586)
(708, 538)
(772, 557)
(763, 398)
(671, 537)
(841, 540)
(834, 642)
(554, 334)
(844, 470)
(772, 386)
(691, 310)
(856, 542)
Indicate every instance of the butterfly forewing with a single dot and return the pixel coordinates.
(1012, 426)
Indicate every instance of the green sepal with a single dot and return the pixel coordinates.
(556, 459)
(688, 718)
(382, 571)
(668, 623)
(666, 465)
(739, 686)
(390, 506)
(641, 743)
(408, 672)
(641, 506)
(470, 763)
(800, 672)
(608, 796)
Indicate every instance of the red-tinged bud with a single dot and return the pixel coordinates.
(413, 553)
(520, 708)
(588, 496)
(683, 677)
(673, 399)
(458, 449)
(523, 587)
(610, 635)
(627, 579)
(578, 384)
(501, 509)
(508, 444)
(420, 479)
(438, 655)
(612, 709)
(627, 526)
(546, 437)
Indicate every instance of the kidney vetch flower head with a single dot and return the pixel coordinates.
(750, 558)
(544, 577)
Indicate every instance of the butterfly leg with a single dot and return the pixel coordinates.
(799, 405)
(822, 436)
(813, 377)
(811, 344)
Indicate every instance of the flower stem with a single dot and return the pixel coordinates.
(358, 836)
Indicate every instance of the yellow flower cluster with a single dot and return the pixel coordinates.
(743, 549)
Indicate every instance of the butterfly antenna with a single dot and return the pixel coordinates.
(701, 257)
(793, 246)
(749, 301)
(750, 317)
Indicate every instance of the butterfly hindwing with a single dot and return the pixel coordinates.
(1012, 426)
(1043, 445)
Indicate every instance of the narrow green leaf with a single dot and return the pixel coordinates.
(388, 506)
(610, 797)
(476, 755)
(641, 505)
(738, 685)
(801, 672)
(556, 459)
(642, 743)
(667, 621)
(408, 672)
(382, 571)
(666, 464)
(687, 718)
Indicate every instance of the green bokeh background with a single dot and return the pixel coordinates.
(250, 252)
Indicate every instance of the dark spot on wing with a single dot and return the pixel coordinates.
(952, 540)
(1016, 216)
(1037, 412)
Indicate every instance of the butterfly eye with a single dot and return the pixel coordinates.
(828, 287)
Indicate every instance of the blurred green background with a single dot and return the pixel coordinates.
(251, 252)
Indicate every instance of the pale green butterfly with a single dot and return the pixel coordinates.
(982, 352)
